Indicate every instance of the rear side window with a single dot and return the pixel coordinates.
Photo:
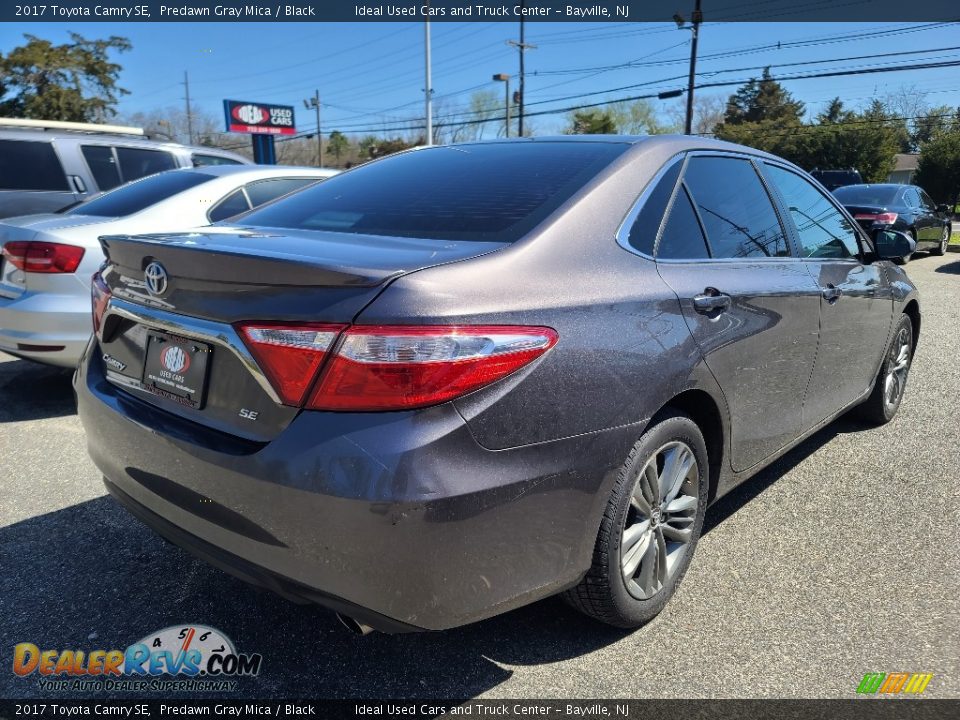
(103, 165)
(201, 160)
(682, 236)
(136, 163)
(486, 192)
(823, 230)
(264, 191)
(736, 211)
(26, 165)
(140, 195)
(233, 204)
(643, 233)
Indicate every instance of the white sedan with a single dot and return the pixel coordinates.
(47, 260)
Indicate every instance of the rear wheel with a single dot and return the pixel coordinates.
(650, 527)
(884, 401)
(941, 249)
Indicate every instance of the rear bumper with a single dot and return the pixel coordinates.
(49, 328)
(399, 519)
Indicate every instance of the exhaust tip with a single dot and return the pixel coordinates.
(354, 626)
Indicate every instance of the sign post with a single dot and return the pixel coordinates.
(262, 122)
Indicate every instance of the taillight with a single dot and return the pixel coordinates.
(886, 218)
(289, 355)
(395, 368)
(99, 297)
(43, 257)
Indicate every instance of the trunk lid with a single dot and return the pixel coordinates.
(217, 277)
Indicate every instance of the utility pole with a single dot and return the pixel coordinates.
(186, 87)
(504, 78)
(428, 91)
(522, 46)
(695, 29)
(314, 102)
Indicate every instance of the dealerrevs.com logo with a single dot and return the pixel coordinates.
(180, 657)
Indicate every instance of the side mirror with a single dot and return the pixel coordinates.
(893, 245)
(943, 208)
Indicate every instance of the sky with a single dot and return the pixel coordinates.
(370, 75)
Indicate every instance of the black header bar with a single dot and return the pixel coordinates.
(299, 11)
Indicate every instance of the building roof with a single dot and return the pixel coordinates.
(906, 161)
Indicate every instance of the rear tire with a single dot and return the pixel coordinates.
(644, 547)
(885, 398)
(941, 249)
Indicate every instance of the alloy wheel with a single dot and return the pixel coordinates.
(659, 523)
(898, 365)
(945, 240)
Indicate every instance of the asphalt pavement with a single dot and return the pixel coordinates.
(840, 559)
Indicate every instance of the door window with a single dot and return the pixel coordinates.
(26, 165)
(103, 165)
(139, 162)
(736, 211)
(824, 231)
(682, 236)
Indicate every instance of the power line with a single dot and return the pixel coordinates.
(413, 124)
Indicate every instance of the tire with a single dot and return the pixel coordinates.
(941, 249)
(628, 598)
(887, 394)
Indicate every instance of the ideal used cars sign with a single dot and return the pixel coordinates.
(260, 118)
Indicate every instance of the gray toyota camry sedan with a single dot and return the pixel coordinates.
(459, 379)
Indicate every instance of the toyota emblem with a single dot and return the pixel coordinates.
(155, 277)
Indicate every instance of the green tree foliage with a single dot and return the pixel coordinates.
(763, 115)
(934, 122)
(762, 100)
(592, 122)
(939, 170)
(372, 147)
(338, 144)
(75, 81)
(638, 118)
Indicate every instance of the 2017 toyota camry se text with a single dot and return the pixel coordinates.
(459, 379)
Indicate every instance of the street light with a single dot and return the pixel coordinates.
(504, 78)
(314, 102)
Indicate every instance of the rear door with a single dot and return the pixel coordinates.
(856, 300)
(32, 179)
(750, 304)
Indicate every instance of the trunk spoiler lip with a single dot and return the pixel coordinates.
(370, 260)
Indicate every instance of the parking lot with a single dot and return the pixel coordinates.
(840, 559)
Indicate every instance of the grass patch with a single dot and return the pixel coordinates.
(955, 239)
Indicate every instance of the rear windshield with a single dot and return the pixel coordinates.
(496, 192)
(867, 195)
(139, 195)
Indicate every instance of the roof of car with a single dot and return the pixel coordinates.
(263, 170)
(875, 185)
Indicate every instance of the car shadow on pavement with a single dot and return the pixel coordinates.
(740, 496)
(31, 391)
(91, 577)
(950, 268)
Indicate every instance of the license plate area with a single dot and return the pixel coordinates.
(176, 368)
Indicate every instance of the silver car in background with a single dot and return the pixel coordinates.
(47, 260)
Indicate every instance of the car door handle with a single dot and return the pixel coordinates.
(711, 300)
(831, 293)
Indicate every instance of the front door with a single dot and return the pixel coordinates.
(856, 301)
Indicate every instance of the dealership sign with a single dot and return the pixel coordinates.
(259, 118)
